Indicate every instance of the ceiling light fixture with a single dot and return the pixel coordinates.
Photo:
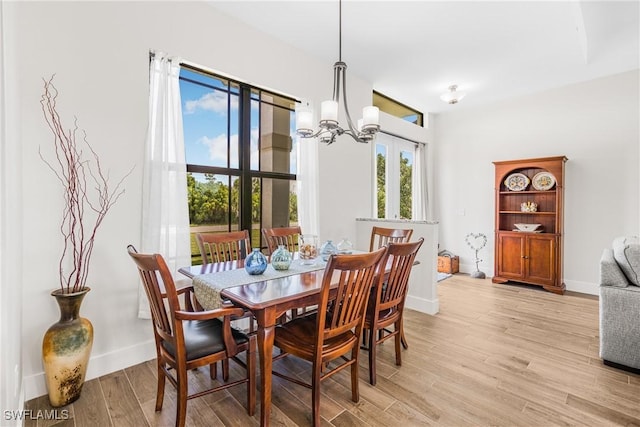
(452, 97)
(329, 128)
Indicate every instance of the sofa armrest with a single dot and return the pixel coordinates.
(610, 272)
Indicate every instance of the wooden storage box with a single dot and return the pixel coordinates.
(448, 264)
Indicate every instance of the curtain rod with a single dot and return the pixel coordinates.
(402, 137)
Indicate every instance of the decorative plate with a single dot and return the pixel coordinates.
(517, 182)
(543, 181)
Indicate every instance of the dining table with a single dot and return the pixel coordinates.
(267, 296)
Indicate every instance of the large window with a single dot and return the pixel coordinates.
(394, 177)
(240, 154)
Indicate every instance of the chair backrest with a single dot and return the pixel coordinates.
(287, 236)
(381, 236)
(221, 247)
(354, 276)
(155, 276)
(398, 261)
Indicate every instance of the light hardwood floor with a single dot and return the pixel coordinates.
(499, 355)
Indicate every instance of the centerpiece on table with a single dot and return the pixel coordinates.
(87, 198)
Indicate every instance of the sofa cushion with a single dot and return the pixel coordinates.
(610, 272)
(626, 251)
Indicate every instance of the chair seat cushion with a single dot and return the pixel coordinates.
(298, 337)
(626, 251)
(204, 337)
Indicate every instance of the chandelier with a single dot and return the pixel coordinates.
(328, 127)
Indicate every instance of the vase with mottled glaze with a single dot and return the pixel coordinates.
(66, 348)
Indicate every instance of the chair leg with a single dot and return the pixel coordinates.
(355, 392)
(398, 339)
(251, 375)
(372, 356)
(161, 383)
(213, 370)
(183, 387)
(403, 339)
(315, 393)
(365, 336)
(225, 370)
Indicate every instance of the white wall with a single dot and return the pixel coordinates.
(99, 53)
(595, 124)
(11, 239)
(423, 286)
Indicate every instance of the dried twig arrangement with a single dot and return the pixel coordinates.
(83, 213)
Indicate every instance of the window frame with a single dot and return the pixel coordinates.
(246, 93)
(394, 146)
(391, 106)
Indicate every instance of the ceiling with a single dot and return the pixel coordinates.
(413, 51)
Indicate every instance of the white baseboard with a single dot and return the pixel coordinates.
(470, 268)
(582, 287)
(422, 305)
(102, 364)
(571, 285)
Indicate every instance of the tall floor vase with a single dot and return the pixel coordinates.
(66, 348)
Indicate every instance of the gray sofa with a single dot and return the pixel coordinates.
(620, 304)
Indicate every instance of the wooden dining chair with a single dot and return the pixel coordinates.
(381, 236)
(186, 340)
(221, 247)
(332, 332)
(287, 236)
(386, 303)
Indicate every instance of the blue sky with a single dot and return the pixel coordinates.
(204, 114)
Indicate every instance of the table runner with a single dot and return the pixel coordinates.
(207, 287)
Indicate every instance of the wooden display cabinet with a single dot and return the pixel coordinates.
(529, 257)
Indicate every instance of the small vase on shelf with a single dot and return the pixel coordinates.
(281, 258)
(256, 262)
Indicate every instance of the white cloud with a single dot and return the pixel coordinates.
(213, 101)
(218, 148)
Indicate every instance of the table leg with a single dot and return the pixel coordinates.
(266, 332)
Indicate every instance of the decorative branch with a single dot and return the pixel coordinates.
(83, 211)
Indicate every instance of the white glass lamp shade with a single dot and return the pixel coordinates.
(370, 116)
(304, 122)
(329, 111)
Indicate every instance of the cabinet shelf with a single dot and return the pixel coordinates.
(528, 192)
(544, 233)
(527, 213)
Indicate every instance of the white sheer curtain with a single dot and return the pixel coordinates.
(307, 183)
(165, 213)
(420, 206)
